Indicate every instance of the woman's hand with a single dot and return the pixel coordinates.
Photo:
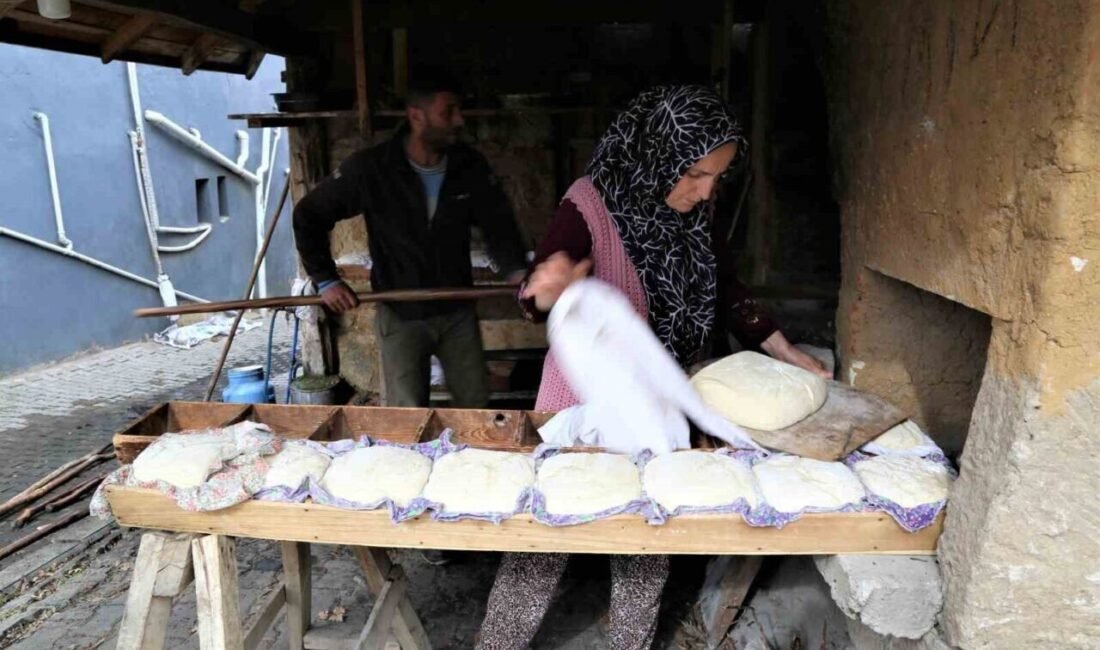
(780, 348)
(552, 278)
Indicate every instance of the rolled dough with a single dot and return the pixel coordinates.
(294, 464)
(370, 474)
(585, 484)
(478, 481)
(756, 391)
(905, 480)
(906, 439)
(698, 479)
(792, 484)
(184, 460)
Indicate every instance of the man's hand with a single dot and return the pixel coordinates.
(339, 298)
(553, 277)
(780, 348)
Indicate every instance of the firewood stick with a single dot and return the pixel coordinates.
(57, 502)
(38, 534)
(4, 507)
(61, 479)
(76, 494)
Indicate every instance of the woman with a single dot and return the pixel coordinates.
(640, 221)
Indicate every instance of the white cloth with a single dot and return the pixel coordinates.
(634, 393)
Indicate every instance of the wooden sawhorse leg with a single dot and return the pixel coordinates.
(162, 570)
(216, 594)
(393, 612)
(727, 582)
(298, 586)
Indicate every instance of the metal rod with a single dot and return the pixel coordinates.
(404, 295)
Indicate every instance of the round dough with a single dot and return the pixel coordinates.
(370, 474)
(477, 481)
(701, 479)
(756, 391)
(905, 480)
(294, 464)
(793, 484)
(585, 484)
(184, 460)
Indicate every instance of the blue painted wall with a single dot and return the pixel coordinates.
(53, 306)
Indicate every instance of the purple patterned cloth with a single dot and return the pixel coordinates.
(911, 519)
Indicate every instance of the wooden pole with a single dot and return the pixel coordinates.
(247, 292)
(27, 540)
(359, 36)
(403, 295)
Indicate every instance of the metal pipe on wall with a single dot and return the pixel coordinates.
(68, 252)
(55, 194)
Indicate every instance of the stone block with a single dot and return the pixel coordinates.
(892, 595)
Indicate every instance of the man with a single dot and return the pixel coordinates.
(419, 194)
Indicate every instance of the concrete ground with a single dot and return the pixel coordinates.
(68, 590)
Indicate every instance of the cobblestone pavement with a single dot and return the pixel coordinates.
(68, 591)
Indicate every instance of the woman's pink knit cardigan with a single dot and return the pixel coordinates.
(611, 264)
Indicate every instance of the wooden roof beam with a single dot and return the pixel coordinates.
(199, 51)
(126, 35)
(7, 5)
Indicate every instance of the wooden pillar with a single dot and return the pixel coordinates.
(216, 593)
(727, 582)
(359, 36)
(401, 62)
(760, 223)
(407, 628)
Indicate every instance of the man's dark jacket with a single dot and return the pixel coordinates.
(407, 250)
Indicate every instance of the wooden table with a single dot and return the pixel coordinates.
(186, 545)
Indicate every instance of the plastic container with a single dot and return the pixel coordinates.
(247, 385)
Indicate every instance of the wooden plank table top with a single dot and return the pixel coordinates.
(725, 534)
(848, 419)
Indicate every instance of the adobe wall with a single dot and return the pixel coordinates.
(967, 142)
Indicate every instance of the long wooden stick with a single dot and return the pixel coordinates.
(58, 502)
(74, 495)
(404, 295)
(27, 540)
(247, 291)
(7, 507)
(86, 462)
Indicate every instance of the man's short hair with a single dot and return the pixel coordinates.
(425, 83)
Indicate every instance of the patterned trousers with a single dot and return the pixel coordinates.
(525, 586)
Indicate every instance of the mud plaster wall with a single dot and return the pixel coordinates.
(967, 140)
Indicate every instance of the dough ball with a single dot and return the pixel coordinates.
(905, 480)
(294, 464)
(700, 479)
(756, 391)
(584, 484)
(903, 437)
(184, 460)
(477, 481)
(792, 484)
(370, 474)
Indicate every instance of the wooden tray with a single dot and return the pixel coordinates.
(815, 534)
(849, 419)
(873, 532)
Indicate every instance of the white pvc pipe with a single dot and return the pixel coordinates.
(265, 164)
(189, 245)
(189, 139)
(274, 157)
(148, 195)
(55, 194)
(68, 252)
(242, 148)
(54, 9)
(150, 232)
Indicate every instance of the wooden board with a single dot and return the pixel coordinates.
(870, 532)
(848, 420)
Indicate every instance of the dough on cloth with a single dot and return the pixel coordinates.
(479, 481)
(793, 484)
(756, 391)
(370, 474)
(184, 460)
(585, 484)
(294, 464)
(905, 480)
(699, 479)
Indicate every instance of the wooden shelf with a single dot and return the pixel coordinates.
(257, 120)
